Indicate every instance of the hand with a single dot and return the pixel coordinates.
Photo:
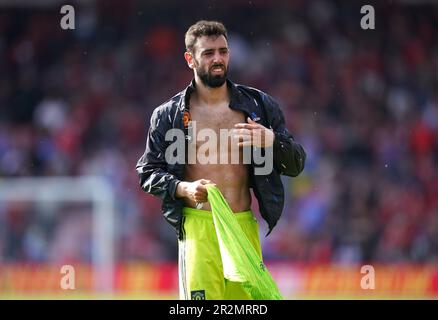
(194, 191)
(253, 134)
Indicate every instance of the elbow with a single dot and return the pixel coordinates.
(297, 163)
(143, 184)
(296, 172)
(300, 161)
(143, 177)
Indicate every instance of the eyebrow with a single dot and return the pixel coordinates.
(209, 50)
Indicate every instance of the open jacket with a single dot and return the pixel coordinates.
(160, 178)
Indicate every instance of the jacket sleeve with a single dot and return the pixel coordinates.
(151, 167)
(289, 156)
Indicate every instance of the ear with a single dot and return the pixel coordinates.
(190, 60)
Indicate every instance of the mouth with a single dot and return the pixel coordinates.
(217, 69)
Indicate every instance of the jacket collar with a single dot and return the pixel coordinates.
(237, 99)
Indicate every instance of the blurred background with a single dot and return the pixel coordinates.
(75, 108)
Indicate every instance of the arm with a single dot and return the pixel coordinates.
(289, 156)
(151, 167)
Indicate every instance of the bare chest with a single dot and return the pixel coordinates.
(216, 118)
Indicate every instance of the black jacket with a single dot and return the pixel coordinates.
(159, 178)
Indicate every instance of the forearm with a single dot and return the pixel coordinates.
(159, 183)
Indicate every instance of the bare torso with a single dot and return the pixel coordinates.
(231, 179)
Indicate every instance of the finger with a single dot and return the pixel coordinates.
(241, 131)
(245, 144)
(250, 120)
(246, 126)
(201, 193)
(211, 183)
(201, 197)
(242, 137)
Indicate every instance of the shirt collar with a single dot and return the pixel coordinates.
(237, 99)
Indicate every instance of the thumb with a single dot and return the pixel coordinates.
(251, 121)
(204, 181)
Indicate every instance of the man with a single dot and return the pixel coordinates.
(255, 120)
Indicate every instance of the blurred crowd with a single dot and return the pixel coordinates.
(363, 103)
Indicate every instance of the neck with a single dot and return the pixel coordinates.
(207, 95)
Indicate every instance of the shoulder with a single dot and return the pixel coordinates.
(264, 98)
(268, 106)
(169, 106)
(168, 109)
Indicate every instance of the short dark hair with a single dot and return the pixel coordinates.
(203, 28)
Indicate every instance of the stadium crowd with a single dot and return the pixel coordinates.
(363, 103)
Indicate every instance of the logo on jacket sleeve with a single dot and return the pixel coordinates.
(254, 117)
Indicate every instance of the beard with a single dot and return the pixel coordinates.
(210, 80)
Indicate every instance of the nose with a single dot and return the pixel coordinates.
(217, 58)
